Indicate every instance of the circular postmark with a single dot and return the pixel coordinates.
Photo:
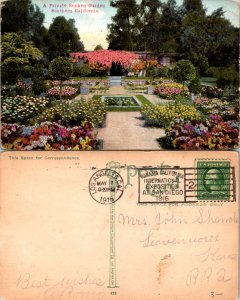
(106, 186)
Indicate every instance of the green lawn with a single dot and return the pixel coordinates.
(140, 98)
(210, 81)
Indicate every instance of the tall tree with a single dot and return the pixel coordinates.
(170, 22)
(122, 28)
(193, 6)
(150, 15)
(194, 41)
(208, 40)
(23, 17)
(159, 26)
(63, 36)
(98, 47)
(223, 40)
(41, 39)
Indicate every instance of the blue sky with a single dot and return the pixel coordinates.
(92, 27)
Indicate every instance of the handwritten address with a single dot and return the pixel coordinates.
(210, 263)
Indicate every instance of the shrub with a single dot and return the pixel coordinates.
(213, 134)
(18, 57)
(60, 68)
(162, 115)
(48, 136)
(22, 109)
(82, 70)
(164, 71)
(39, 86)
(195, 86)
(226, 76)
(151, 72)
(8, 90)
(10, 72)
(184, 71)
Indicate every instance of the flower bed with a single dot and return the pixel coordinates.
(48, 136)
(98, 88)
(136, 87)
(22, 109)
(131, 82)
(162, 115)
(227, 110)
(74, 113)
(93, 84)
(213, 134)
(162, 80)
(212, 91)
(170, 90)
(93, 110)
(67, 92)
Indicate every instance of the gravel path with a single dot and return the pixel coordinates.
(126, 131)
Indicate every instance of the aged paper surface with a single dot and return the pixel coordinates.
(119, 225)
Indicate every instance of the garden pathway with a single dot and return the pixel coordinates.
(126, 131)
(117, 90)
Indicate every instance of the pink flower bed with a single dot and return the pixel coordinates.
(67, 91)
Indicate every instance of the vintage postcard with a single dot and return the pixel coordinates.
(120, 75)
(119, 225)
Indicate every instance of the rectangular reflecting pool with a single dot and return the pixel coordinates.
(121, 101)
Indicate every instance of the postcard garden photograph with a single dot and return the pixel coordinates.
(119, 75)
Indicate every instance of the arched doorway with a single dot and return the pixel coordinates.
(117, 69)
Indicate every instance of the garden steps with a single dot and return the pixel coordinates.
(126, 131)
(115, 81)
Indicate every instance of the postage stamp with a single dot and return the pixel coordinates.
(213, 180)
(106, 186)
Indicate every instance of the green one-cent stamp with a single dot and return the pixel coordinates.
(213, 180)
